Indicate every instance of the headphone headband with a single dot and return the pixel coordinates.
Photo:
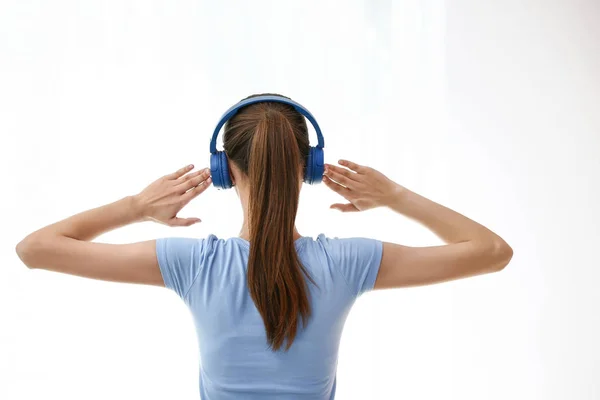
(259, 99)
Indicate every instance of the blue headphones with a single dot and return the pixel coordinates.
(219, 170)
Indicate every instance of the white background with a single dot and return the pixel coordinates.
(490, 108)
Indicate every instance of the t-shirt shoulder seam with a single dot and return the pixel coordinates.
(322, 236)
(201, 267)
(160, 244)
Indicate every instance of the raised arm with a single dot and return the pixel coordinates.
(67, 247)
(471, 249)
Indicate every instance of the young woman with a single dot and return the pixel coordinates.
(269, 305)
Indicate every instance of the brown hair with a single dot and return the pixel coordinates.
(268, 142)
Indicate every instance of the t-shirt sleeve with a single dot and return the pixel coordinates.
(358, 260)
(180, 262)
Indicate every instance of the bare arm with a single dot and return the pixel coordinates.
(471, 248)
(66, 246)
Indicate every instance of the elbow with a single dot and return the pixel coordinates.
(21, 250)
(25, 251)
(502, 254)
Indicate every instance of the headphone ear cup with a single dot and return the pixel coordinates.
(219, 170)
(308, 169)
(315, 166)
(224, 168)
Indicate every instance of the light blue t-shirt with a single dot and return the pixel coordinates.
(235, 362)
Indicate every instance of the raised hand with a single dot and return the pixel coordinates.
(165, 197)
(364, 187)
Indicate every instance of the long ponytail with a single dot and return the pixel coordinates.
(275, 273)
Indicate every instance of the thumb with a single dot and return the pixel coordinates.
(184, 221)
(349, 207)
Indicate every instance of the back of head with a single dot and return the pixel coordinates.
(269, 144)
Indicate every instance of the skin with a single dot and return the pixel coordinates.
(470, 249)
(66, 246)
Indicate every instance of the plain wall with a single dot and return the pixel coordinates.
(490, 108)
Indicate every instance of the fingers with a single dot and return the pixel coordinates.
(336, 187)
(194, 179)
(195, 191)
(180, 172)
(184, 221)
(360, 169)
(336, 174)
(191, 175)
(343, 171)
(344, 207)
